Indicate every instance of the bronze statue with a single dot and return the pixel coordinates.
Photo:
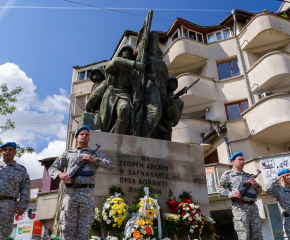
(135, 97)
(123, 94)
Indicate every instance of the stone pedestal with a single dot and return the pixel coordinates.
(162, 164)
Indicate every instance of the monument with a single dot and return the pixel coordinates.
(131, 111)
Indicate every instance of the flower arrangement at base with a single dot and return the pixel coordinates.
(149, 208)
(142, 230)
(52, 237)
(95, 238)
(192, 220)
(171, 224)
(96, 226)
(115, 211)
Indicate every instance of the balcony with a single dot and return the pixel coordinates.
(264, 33)
(185, 55)
(271, 72)
(270, 119)
(46, 205)
(202, 92)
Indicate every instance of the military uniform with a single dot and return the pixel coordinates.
(14, 180)
(247, 222)
(282, 195)
(78, 211)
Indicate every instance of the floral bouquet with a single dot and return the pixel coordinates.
(96, 226)
(142, 230)
(171, 224)
(115, 211)
(148, 208)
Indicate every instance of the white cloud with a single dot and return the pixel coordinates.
(35, 124)
(33, 121)
(30, 161)
(6, 8)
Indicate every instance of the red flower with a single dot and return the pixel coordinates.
(186, 200)
(183, 213)
(190, 209)
(192, 215)
(190, 223)
(194, 222)
(196, 230)
(199, 224)
(184, 224)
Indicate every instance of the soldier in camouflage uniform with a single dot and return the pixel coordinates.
(282, 195)
(247, 221)
(78, 211)
(14, 181)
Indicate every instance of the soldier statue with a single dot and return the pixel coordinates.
(94, 102)
(78, 211)
(123, 94)
(172, 111)
(282, 195)
(247, 221)
(14, 182)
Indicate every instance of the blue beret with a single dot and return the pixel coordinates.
(12, 144)
(286, 170)
(235, 155)
(81, 128)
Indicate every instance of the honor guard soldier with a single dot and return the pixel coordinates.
(14, 181)
(78, 211)
(247, 222)
(282, 195)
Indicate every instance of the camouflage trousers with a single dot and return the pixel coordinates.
(78, 213)
(286, 228)
(247, 221)
(7, 211)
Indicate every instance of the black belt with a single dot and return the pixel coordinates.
(244, 202)
(81, 185)
(8, 198)
(286, 214)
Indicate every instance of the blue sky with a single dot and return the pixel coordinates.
(42, 45)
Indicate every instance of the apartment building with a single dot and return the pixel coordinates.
(241, 102)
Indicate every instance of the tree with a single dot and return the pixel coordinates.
(7, 98)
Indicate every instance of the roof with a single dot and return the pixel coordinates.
(241, 16)
(47, 161)
(36, 183)
(78, 67)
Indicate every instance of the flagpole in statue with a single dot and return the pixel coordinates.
(141, 50)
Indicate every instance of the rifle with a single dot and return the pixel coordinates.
(78, 169)
(243, 189)
(185, 89)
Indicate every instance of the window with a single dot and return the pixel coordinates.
(216, 36)
(84, 75)
(80, 104)
(228, 69)
(212, 158)
(133, 41)
(192, 34)
(234, 110)
(175, 35)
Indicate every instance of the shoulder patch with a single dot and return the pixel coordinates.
(222, 182)
(27, 181)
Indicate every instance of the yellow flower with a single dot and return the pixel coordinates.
(141, 203)
(123, 218)
(125, 211)
(114, 225)
(201, 226)
(120, 222)
(114, 212)
(120, 212)
(141, 222)
(149, 222)
(150, 213)
(196, 225)
(105, 213)
(116, 220)
(108, 199)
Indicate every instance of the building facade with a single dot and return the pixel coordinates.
(241, 103)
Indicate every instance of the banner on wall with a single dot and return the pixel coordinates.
(273, 165)
(211, 180)
(23, 231)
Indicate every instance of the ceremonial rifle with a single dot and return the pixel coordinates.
(243, 189)
(80, 165)
(185, 89)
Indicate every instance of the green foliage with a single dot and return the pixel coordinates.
(116, 189)
(185, 195)
(7, 98)
(285, 15)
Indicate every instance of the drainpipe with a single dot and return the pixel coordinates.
(241, 60)
(218, 131)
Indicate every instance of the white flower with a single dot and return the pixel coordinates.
(191, 230)
(190, 219)
(166, 238)
(142, 231)
(141, 236)
(96, 237)
(105, 217)
(108, 221)
(111, 238)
